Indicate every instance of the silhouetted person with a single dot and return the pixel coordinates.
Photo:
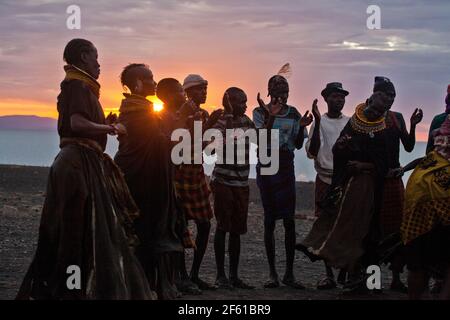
(277, 191)
(88, 210)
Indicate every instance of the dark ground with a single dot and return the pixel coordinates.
(22, 195)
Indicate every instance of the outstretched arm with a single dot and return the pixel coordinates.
(412, 165)
(80, 124)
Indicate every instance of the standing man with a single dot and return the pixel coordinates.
(192, 188)
(344, 235)
(394, 191)
(171, 93)
(231, 190)
(278, 190)
(323, 134)
(88, 211)
(144, 157)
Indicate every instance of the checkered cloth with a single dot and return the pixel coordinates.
(424, 218)
(427, 198)
(391, 212)
(193, 192)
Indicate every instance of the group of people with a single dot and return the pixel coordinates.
(124, 221)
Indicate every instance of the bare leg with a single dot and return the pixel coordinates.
(289, 243)
(184, 284)
(234, 248)
(201, 242)
(219, 250)
(269, 242)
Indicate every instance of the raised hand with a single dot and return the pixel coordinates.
(306, 120)
(261, 102)
(315, 111)
(213, 118)
(111, 118)
(416, 117)
(120, 129)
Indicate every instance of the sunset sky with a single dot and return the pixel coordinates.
(232, 43)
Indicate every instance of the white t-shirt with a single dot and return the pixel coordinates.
(330, 130)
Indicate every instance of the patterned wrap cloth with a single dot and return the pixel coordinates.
(427, 196)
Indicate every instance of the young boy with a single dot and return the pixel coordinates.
(231, 191)
(278, 190)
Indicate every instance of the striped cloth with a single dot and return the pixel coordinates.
(233, 174)
(193, 192)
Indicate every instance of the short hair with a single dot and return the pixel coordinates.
(232, 93)
(74, 48)
(128, 76)
(276, 85)
(166, 87)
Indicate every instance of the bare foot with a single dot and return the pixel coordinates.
(202, 284)
(223, 283)
(273, 282)
(188, 287)
(291, 282)
(238, 283)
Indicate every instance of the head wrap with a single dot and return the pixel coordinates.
(383, 84)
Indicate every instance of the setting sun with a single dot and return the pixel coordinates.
(157, 107)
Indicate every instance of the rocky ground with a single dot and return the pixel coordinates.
(22, 195)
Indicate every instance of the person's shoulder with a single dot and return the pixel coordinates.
(440, 117)
(75, 84)
(293, 112)
(397, 115)
(259, 111)
(293, 109)
(246, 120)
(204, 111)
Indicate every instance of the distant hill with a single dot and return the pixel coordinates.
(27, 123)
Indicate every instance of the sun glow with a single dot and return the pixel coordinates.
(157, 107)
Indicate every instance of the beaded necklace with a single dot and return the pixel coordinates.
(360, 123)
